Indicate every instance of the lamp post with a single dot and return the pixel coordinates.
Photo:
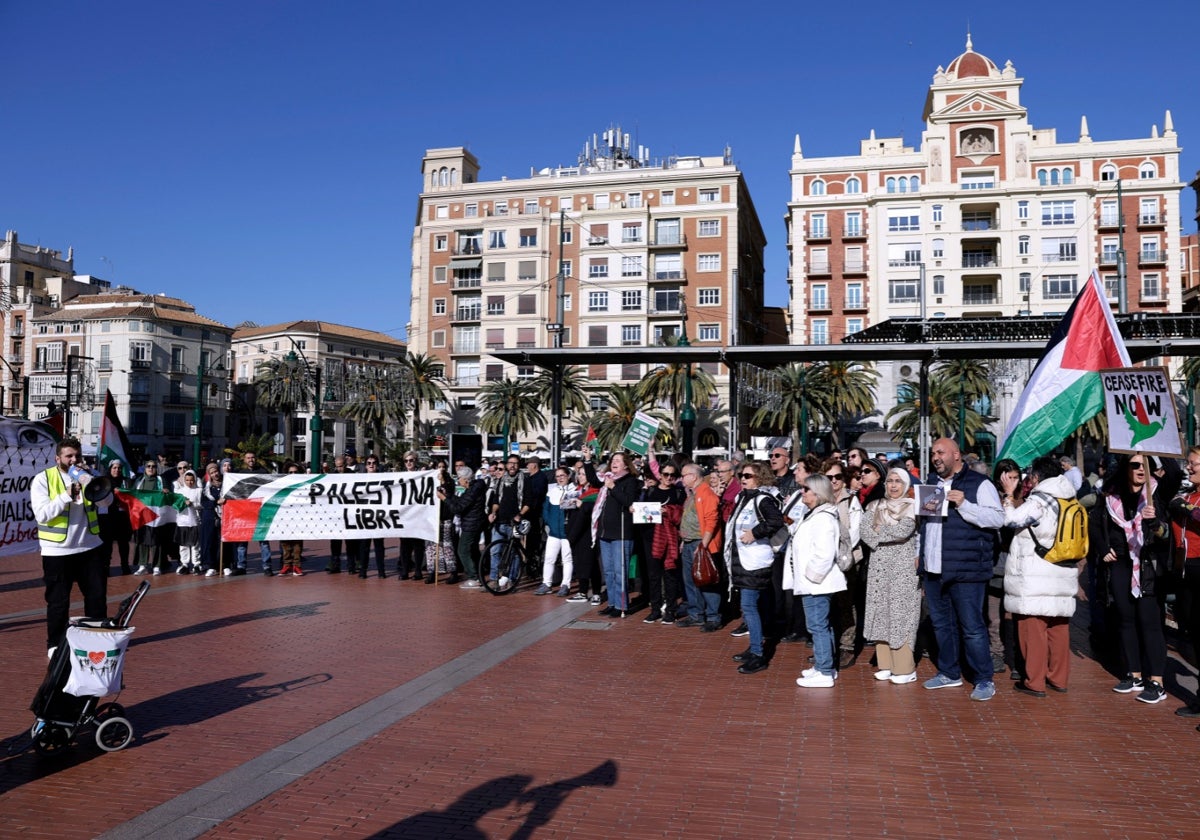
(24, 380)
(687, 414)
(198, 407)
(316, 425)
(71, 358)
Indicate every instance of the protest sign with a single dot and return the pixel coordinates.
(1140, 407)
(26, 448)
(333, 506)
(641, 433)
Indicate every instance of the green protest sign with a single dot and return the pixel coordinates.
(641, 433)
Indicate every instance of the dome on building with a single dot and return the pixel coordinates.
(972, 65)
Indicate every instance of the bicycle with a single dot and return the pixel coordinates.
(514, 564)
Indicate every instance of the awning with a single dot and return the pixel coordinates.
(459, 263)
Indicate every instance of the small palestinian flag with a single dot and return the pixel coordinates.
(151, 508)
(592, 441)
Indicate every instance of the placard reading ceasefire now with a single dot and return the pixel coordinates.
(329, 506)
(1141, 411)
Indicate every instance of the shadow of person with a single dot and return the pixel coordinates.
(547, 798)
(457, 821)
(197, 703)
(287, 612)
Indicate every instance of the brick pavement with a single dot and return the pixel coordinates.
(416, 711)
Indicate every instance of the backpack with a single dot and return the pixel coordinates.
(1070, 532)
(779, 540)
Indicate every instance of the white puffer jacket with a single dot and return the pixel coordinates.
(1031, 585)
(810, 567)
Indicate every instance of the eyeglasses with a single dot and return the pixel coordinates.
(730, 469)
(747, 475)
(778, 455)
(669, 475)
(1137, 465)
(804, 488)
(835, 476)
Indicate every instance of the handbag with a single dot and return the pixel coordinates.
(704, 570)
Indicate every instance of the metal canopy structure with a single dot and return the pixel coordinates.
(923, 341)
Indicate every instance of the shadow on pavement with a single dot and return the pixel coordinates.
(293, 611)
(535, 806)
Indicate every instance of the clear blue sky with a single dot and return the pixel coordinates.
(261, 159)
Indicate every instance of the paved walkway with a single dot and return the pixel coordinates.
(328, 706)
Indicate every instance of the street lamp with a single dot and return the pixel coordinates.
(24, 380)
(71, 358)
(316, 425)
(198, 408)
(687, 415)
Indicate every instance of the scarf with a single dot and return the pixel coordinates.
(887, 511)
(1133, 535)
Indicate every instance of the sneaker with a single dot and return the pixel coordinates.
(50, 652)
(142, 570)
(744, 656)
(211, 573)
(577, 598)
(595, 601)
(563, 592)
(688, 621)
(846, 659)
(1152, 693)
(1128, 685)
(883, 676)
(157, 571)
(267, 572)
(713, 627)
(182, 570)
(740, 630)
(500, 584)
(471, 584)
(816, 680)
(902, 679)
(240, 570)
(942, 681)
(542, 589)
(753, 665)
(227, 572)
(297, 571)
(983, 690)
(652, 618)
(808, 672)
(1188, 711)
(791, 638)
(668, 619)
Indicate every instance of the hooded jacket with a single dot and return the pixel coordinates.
(1033, 586)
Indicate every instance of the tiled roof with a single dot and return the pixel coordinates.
(325, 329)
(105, 311)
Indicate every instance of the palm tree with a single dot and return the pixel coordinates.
(284, 385)
(509, 407)
(613, 423)
(376, 398)
(574, 398)
(427, 375)
(262, 446)
(666, 384)
(788, 413)
(905, 418)
(837, 390)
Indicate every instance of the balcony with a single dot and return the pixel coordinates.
(819, 268)
(1059, 257)
(980, 298)
(139, 399)
(597, 240)
(139, 364)
(1108, 258)
(1151, 257)
(668, 277)
(819, 303)
(668, 240)
(471, 381)
(468, 249)
(1109, 220)
(1151, 220)
(466, 348)
(178, 367)
(15, 359)
(664, 309)
(104, 364)
(854, 232)
(817, 233)
(854, 303)
(467, 313)
(18, 331)
(467, 282)
(978, 259)
(855, 267)
(978, 225)
(1152, 297)
(178, 401)
(905, 262)
(44, 366)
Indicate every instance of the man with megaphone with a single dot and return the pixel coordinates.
(64, 505)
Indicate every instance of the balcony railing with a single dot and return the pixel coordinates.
(18, 331)
(1110, 220)
(470, 348)
(819, 304)
(854, 302)
(139, 364)
(467, 313)
(1152, 257)
(1059, 257)
(901, 263)
(1153, 296)
(979, 298)
(15, 359)
(1150, 219)
(854, 232)
(855, 266)
(817, 232)
(1108, 258)
(468, 282)
(970, 260)
(668, 240)
(819, 268)
(675, 276)
(139, 399)
(469, 249)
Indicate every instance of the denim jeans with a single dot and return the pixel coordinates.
(499, 532)
(701, 605)
(953, 606)
(264, 550)
(753, 619)
(614, 559)
(816, 618)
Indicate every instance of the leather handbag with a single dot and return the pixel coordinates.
(704, 570)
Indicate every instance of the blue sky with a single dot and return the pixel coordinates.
(261, 158)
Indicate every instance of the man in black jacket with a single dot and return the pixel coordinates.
(468, 505)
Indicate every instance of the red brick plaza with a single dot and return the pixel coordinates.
(329, 706)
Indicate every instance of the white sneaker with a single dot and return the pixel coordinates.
(50, 652)
(808, 672)
(901, 679)
(883, 676)
(502, 583)
(228, 572)
(142, 570)
(817, 680)
(157, 571)
(211, 573)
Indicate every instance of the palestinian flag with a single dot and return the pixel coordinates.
(1064, 390)
(151, 508)
(592, 441)
(113, 443)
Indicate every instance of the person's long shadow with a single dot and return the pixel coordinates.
(187, 706)
(289, 612)
(459, 818)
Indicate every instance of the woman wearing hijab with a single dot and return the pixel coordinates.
(893, 609)
(187, 524)
(114, 518)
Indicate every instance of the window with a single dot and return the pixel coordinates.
(528, 238)
(819, 296)
(496, 239)
(470, 242)
(709, 196)
(710, 227)
(494, 338)
(902, 291)
(708, 262)
(1068, 176)
(1058, 286)
(493, 373)
(139, 351)
(173, 424)
(1058, 249)
(598, 336)
(468, 308)
(1022, 246)
(567, 302)
(937, 213)
(1108, 172)
(566, 203)
(977, 180)
(566, 336)
(818, 261)
(939, 248)
(904, 254)
(527, 270)
(439, 338)
(597, 301)
(471, 211)
(904, 219)
(890, 184)
(526, 372)
(667, 198)
(1151, 288)
(1112, 286)
(443, 211)
(939, 284)
(663, 332)
(631, 372)
(526, 337)
(708, 297)
(598, 235)
(667, 232)
(708, 332)
(1109, 246)
(1024, 281)
(1148, 211)
(668, 267)
(853, 186)
(495, 305)
(817, 227)
(568, 236)
(667, 301)
(439, 306)
(854, 295)
(975, 294)
(631, 300)
(527, 304)
(600, 201)
(1150, 250)
(501, 207)
(817, 187)
(467, 373)
(1058, 212)
(1022, 209)
(466, 339)
(139, 422)
(531, 206)
(914, 184)
(631, 266)
(565, 267)
(820, 331)
(1147, 170)
(631, 232)
(633, 199)
(854, 224)
(496, 273)
(440, 242)
(598, 267)
(439, 274)
(853, 325)
(631, 335)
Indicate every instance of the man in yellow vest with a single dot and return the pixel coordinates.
(69, 536)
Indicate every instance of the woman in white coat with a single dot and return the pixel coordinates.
(1039, 594)
(811, 572)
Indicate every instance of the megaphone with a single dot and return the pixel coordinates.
(97, 488)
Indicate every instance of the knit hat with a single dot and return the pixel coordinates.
(877, 465)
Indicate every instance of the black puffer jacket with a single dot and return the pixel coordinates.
(469, 507)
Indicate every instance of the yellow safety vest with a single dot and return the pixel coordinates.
(56, 529)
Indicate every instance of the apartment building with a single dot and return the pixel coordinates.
(648, 249)
(162, 361)
(989, 216)
(333, 353)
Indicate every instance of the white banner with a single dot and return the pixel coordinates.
(330, 506)
(26, 448)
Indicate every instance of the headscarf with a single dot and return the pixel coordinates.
(888, 511)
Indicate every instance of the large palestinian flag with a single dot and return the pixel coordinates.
(1065, 390)
(151, 508)
(114, 446)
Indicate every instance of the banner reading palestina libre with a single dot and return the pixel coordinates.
(1140, 406)
(26, 448)
(330, 506)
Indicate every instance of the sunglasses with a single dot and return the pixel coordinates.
(835, 476)
(804, 488)
(725, 471)
(669, 475)
(747, 475)
(778, 455)
(1137, 465)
